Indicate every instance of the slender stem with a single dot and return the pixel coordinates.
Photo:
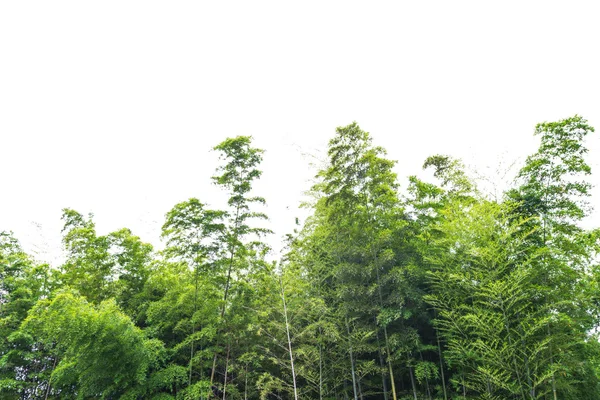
(382, 364)
(441, 366)
(193, 324)
(232, 254)
(389, 360)
(246, 384)
(463, 385)
(426, 378)
(287, 330)
(412, 382)
(226, 367)
(351, 360)
(49, 380)
(387, 343)
(321, 366)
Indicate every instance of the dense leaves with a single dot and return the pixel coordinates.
(435, 292)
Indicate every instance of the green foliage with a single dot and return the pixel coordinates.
(433, 293)
(103, 267)
(98, 347)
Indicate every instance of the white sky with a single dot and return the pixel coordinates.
(111, 107)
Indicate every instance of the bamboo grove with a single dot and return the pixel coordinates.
(432, 291)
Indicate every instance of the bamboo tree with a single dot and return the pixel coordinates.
(359, 189)
(553, 191)
(442, 294)
(237, 174)
(191, 231)
(25, 365)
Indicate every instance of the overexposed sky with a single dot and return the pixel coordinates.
(112, 107)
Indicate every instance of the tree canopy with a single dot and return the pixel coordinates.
(433, 291)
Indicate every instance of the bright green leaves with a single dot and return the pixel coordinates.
(353, 247)
(102, 267)
(553, 180)
(192, 232)
(358, 176)
(486, 307)
(239, 171)
(202, 312)
(22, 283)
(506, 279)
(97, 347)
(436, 293)
(14, 264)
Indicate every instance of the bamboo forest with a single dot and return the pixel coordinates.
(433, 290)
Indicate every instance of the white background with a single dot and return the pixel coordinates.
(112, 107)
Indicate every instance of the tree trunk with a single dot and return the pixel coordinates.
(382, 365)
(389, 360)
(321, 371)
(463, 385)
(193, 324)
(246, 384)
(351, 361)
(231, 256)
(287, 330)
(226, 367)
(441, 366)
(360, 392)
(387, 342)
(49, 379)
(412, 382)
